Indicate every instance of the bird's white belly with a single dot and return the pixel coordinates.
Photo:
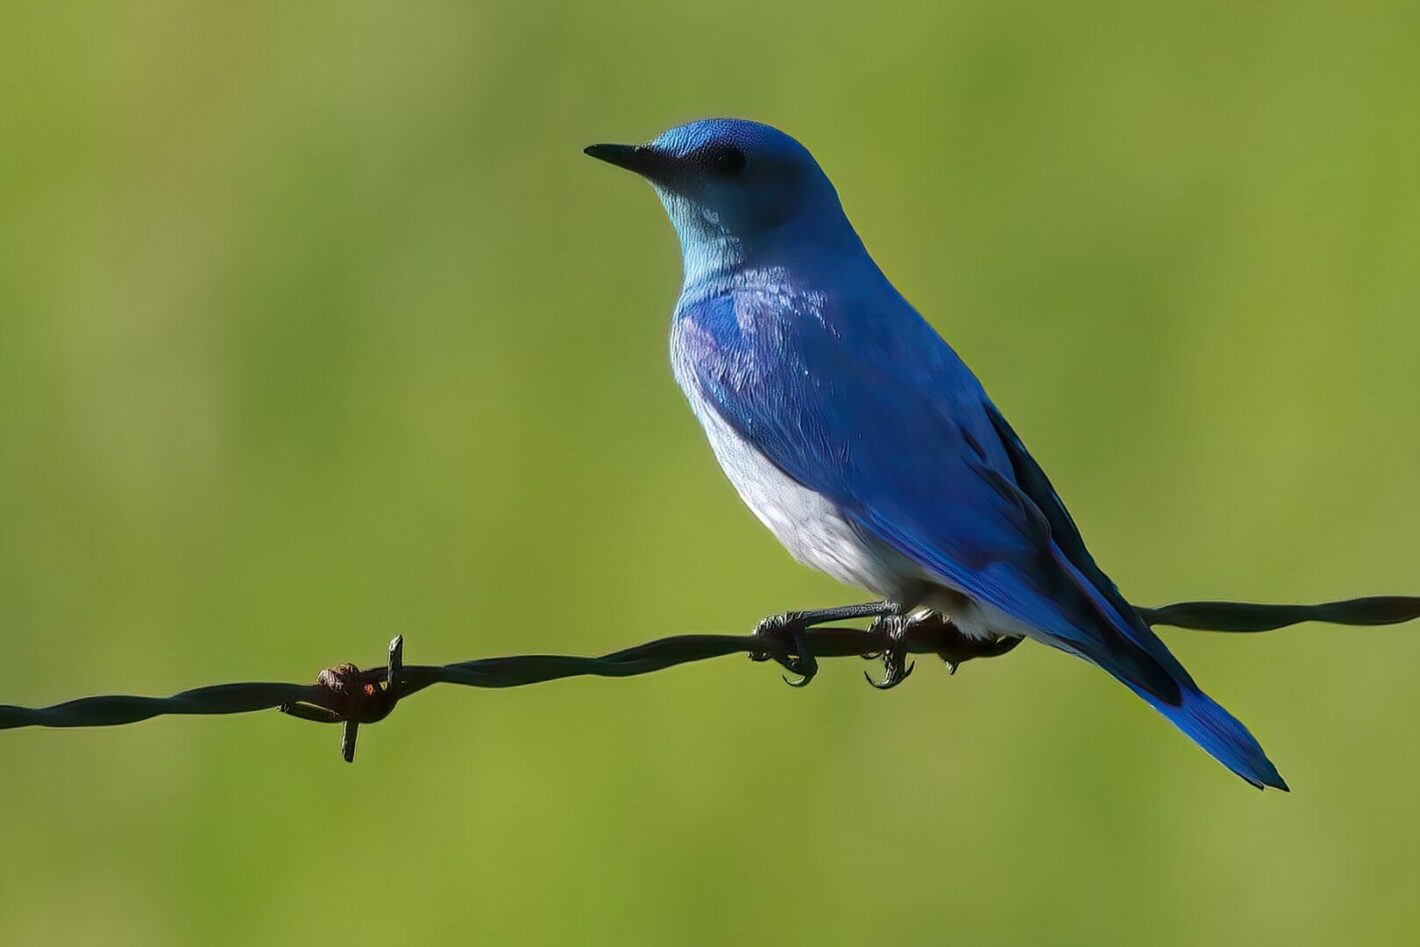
(808, 524)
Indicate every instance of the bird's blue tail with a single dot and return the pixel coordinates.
(1220, 733)
(1140, 661)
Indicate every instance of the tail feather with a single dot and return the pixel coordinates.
(1139, 659)
(1221, 734)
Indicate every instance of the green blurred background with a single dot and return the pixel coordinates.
(318, 327)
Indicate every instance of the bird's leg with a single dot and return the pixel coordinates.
(896, 667)
(787, 631)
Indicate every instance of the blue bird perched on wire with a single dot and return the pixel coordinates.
(861, 439)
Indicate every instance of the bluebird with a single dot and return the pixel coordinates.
(857, 435)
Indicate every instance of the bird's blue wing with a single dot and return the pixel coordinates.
(1031, 480)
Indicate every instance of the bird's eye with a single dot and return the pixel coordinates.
(724, 161)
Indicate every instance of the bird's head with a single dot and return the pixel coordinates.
(734, 190)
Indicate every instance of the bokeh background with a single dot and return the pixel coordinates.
(318, 327)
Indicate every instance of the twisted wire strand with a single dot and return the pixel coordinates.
(371, 701)
(513, 671)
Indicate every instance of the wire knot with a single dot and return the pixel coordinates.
(352, 698)
(346, 696)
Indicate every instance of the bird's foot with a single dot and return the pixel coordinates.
(790, 645)
(792, 652)
(787, 633)
(896, 667)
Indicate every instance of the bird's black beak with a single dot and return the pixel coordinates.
(649, 162)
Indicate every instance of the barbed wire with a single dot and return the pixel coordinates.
(795, 640)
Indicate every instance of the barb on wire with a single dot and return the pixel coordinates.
(343, 694)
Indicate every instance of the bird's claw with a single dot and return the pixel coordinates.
(787, 630)
(896, 667)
